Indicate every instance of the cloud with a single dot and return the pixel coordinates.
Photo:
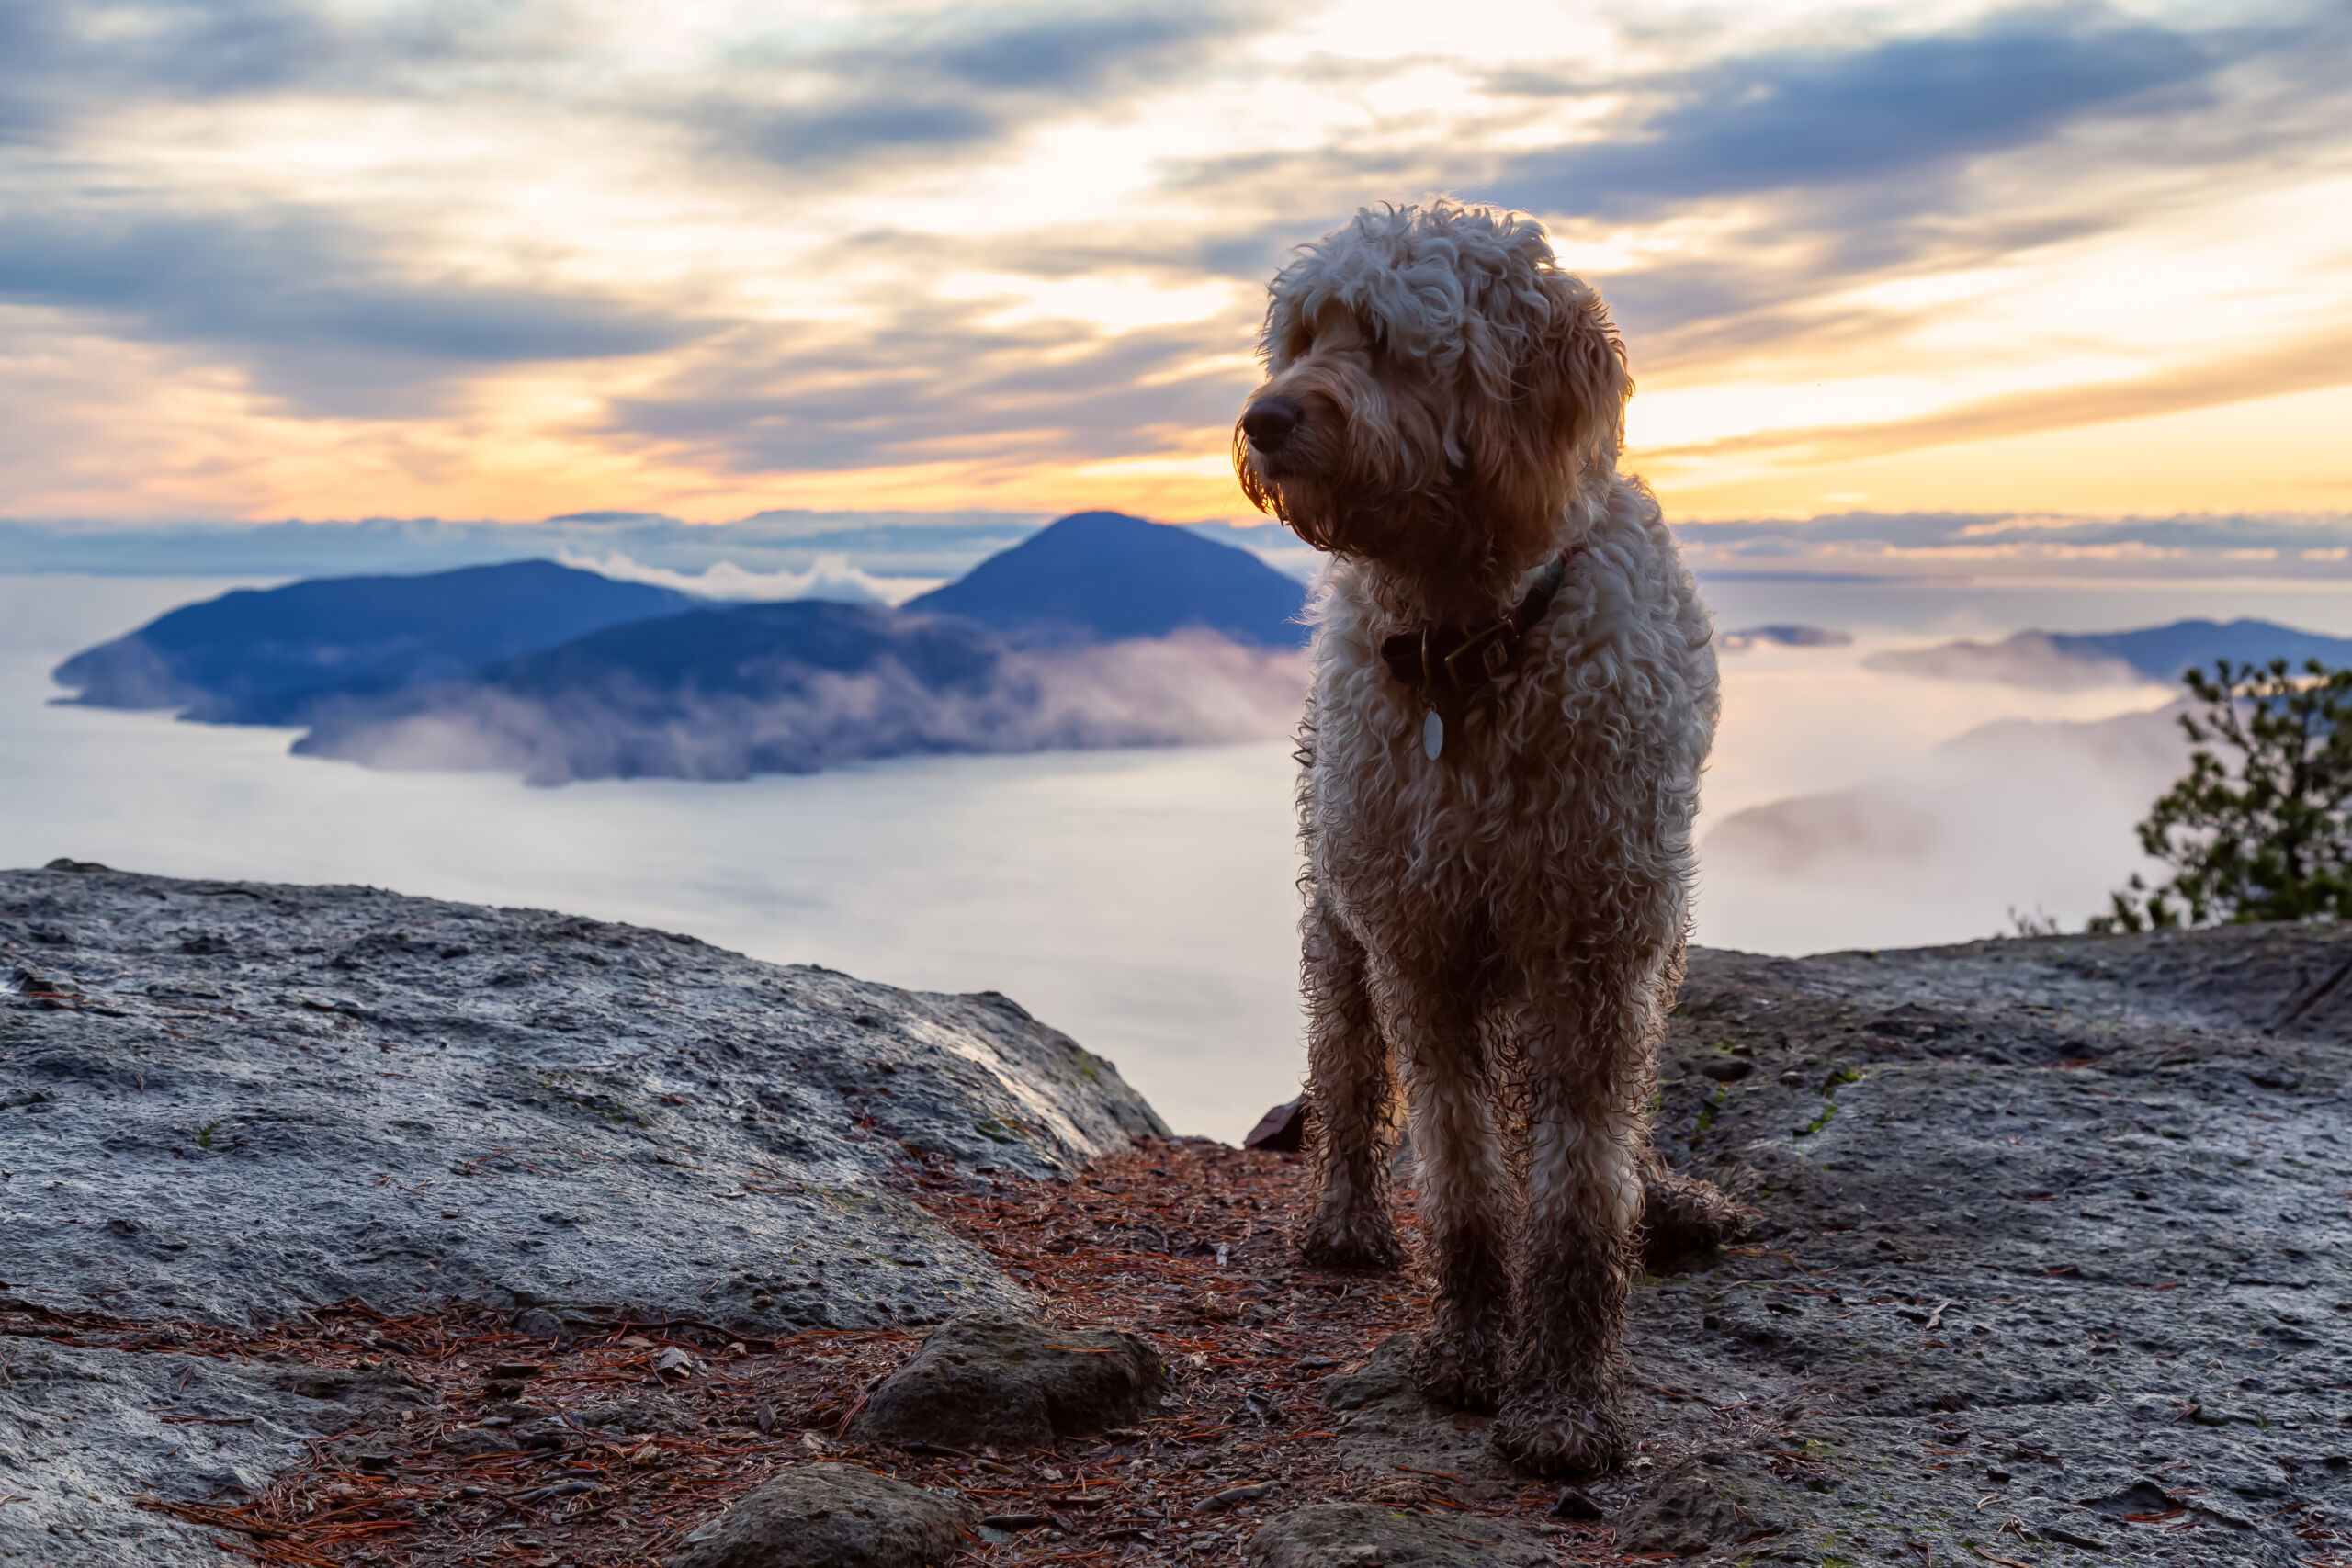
(1782, 287)
(891, 551)
(2301, 365)
(57, 57)
(1194, 688)
(786, 554)
(939, 380)
(1991, 544)
(831, 576)
(957, 82)
(1073, 54)
(2011, 812)
(313, 303)
(2022, 659)
(739, 251)
(1826, 169)
(1903, 106)
(63, 61)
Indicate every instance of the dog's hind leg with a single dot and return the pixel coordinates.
(1354, 1096)
(1587, 1074)
(1685, 1214)
(1465, 1190)
(1682, 1214)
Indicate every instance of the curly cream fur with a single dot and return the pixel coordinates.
(1501, 927)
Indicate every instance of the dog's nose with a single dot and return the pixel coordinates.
(1269, 421)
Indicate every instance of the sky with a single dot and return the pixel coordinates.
(2039, 281)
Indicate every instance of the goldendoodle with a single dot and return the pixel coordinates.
(1514, 694)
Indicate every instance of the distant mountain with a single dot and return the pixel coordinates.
(2064, 660)
(1104, 577)
(1102, 630)
(755, 650)
(2163, 652)
(279, 655)
(791, 688)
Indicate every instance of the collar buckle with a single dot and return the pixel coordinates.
(1489, 652)
(1459, 659)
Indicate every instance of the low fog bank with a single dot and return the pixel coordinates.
(1192, 688)
(2076, 660)
(830, 575)
(2024, 816)
(1782, 636)
(2028, 658)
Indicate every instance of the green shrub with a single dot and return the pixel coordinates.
(2261, 834)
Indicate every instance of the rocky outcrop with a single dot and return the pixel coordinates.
(2052, 1257)
(2056, 1255)
(229, 1102)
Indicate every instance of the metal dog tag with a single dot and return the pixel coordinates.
(1432, 734)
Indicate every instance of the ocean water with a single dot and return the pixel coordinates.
(1144, 901)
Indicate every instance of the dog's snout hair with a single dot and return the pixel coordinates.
(1498, 874)
(1450, 379)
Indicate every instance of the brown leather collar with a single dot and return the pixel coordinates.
(1461, 658)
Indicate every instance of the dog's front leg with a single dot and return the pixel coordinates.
(1355, 1096)
(1588, 1071)
(1464, 1202)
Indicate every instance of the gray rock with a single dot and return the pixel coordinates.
(831, 1515)
(260, 1098)
(84, 1431)
(540, 1324)
(1713, 1500)
(991, 1378)
(2053, 1229)
(1353, 1534)
(1387, 1427)
(2053, 1249)
(638, 1415)
(2053, 1245)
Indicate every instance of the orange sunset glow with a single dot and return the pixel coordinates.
(342, 260)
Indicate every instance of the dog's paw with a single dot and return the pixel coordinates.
(1463, 1371)
(1682, 1214)
(1357, 1241)
(1561, 1436)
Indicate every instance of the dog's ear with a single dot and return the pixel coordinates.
(1283, 327)
(1587, 372)
(1550, 415)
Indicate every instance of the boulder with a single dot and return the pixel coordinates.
(991, 1378)
(831, 1515)
(1281, 1130)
